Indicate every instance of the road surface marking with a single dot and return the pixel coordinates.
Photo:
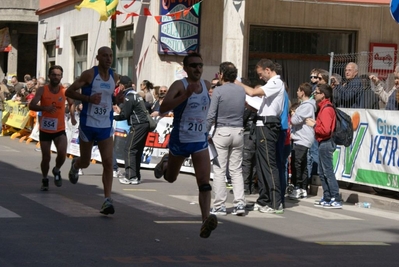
(63, 205)
(7, 149)
(181, 222)
(177, 222)
(322, 213)
(141, 190)
(5, 213)
(356, 243)
(152, 207)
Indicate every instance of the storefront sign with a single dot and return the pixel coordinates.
(179, 34)
(382, 58)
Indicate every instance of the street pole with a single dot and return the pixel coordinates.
(113, 43)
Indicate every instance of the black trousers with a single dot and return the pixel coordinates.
(248, 164)
(299, 166)
(266, 165)
(134, 149)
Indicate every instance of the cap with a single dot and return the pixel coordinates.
(125, 80)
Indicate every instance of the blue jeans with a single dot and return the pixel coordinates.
(326, 171)
(313, 160)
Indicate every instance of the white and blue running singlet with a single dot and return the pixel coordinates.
(101, 115)
(189, 123)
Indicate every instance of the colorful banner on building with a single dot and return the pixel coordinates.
(105, 8)
(179, 34)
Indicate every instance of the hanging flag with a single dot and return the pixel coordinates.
(196, 8)
(5, 40)
(105, 8)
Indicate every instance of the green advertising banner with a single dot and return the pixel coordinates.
(373, 157)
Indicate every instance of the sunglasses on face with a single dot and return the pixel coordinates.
(313, 77)
(317, 93)
(162, 91)
(195, 65)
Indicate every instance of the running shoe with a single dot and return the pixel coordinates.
(229, 185)
(320, 203)
(333, 204)
(57, 178)
(239, 210)
(266, 209)
(208, 226)
(295, 193)
(280, 209)
(256, 207)
(107, 207)
(304, 193)
(73, 173)
(133, 181)
(159, 171)
(219, 211)
(44, 185)
(117, 174)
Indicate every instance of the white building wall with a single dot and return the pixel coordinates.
(159, 69)
(72, 23)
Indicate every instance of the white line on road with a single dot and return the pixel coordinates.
(63, 205)
(7, 149)
(5, 213)
(152, 207)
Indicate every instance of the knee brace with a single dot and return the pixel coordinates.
(205, 187)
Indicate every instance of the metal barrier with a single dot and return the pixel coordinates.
(360, 92)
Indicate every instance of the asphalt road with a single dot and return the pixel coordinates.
(157, 224)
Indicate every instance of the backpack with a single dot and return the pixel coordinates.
(343, 132)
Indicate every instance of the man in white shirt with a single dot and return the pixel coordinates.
(268, 125)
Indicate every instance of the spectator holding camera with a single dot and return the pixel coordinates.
(378, 87)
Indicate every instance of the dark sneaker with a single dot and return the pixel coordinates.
(333, 204)
(44, 185)
(107, 207)
(239, 210)
(159, 171)
(208, 226)
(320, 203)
(73, 173)
(219, 211)
(57, 178)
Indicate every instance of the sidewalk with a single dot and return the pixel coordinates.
(361, 193)
(358, 193)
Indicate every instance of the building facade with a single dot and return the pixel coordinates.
(297, 34)
(18, 38)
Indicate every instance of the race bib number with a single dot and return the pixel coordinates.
(99, 110)
(194, 126)
(49, 124)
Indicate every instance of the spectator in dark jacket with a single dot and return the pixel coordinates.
(351, 92)
(134, 111)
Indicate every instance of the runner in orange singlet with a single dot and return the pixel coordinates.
(52, 124)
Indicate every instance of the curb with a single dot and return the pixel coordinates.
(378, 202)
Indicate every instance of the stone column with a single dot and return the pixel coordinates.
(233, 33)
(13, 54)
